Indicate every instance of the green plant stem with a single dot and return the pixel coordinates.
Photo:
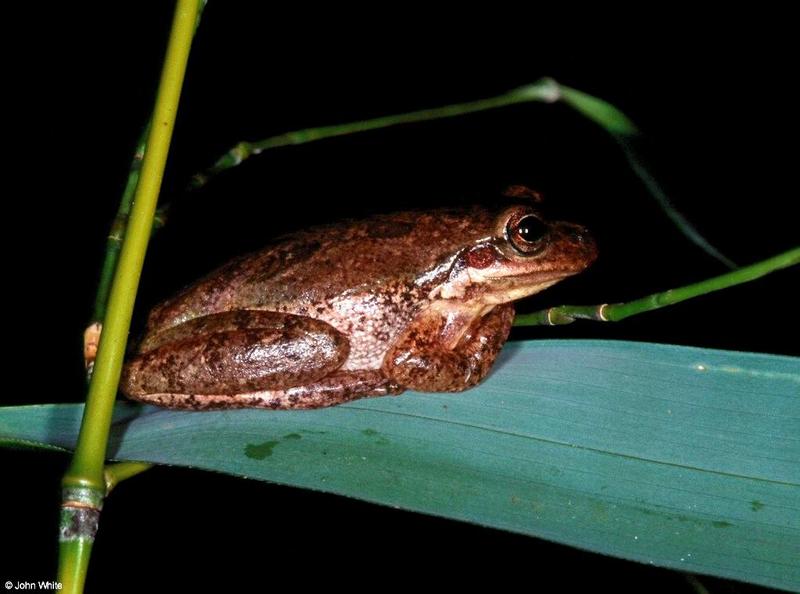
(636, 163)
(626, 134)
(73, 563)
(566, 314)
(118, 227)
(84, 482)
(117, 231)
(546, 90)
(116, 473)
(696, 585)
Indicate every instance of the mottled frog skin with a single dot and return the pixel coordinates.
(411, 300)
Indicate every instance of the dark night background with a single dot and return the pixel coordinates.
(715, 97)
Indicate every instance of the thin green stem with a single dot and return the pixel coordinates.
(602, 113)
(623, 130)
(696, 585)
(636, 163)
(84, 482)
(90, 450)
(116, 473)
(73, 563)
(566, 314)
(546, 90)
(117, 231)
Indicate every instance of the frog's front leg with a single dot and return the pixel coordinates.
(232, 353)
(427, 358)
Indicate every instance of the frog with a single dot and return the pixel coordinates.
(413, 300)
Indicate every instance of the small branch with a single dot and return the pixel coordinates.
(116, 473)
(566, 314)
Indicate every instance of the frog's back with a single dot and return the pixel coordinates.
(305, 269)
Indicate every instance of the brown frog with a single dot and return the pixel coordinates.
(412, 300)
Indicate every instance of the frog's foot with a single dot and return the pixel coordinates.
(422, 360)
(336, 388)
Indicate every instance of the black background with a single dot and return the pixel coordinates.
(714, 95)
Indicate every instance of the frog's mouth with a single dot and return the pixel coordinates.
(495, 289)
(505, 290)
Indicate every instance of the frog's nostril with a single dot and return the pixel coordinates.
(576, 234)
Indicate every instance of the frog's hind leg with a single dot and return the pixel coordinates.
(226, 354)
(337, 388)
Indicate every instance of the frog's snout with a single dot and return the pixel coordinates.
(580, 241)
(576, 233)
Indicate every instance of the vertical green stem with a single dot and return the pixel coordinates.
(84, 483)
(117, 231)
(73, 563)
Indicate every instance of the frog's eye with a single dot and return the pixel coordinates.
(526, 233)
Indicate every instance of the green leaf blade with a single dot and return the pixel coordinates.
(680, 457)
(599, 111)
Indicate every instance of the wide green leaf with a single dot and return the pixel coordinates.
(680, 457)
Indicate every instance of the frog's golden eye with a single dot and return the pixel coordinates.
(526, 233)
